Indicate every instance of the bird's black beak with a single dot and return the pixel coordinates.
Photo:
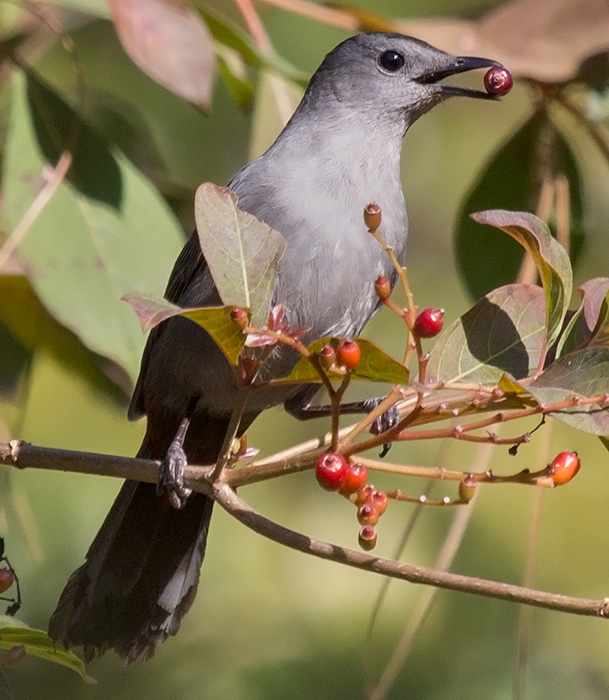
(460, 65)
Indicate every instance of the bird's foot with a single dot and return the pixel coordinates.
(384, 422)
(171, 477)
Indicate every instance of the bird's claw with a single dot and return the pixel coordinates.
(385, 421)
(171, 477)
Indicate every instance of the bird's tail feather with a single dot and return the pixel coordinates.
(139, 578)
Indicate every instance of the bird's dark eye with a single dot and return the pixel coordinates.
(391, 60)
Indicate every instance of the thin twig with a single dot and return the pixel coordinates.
(240, 510)
(53, 177)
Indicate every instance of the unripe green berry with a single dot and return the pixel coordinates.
(382, 288)
(367, 514)
(367, 538)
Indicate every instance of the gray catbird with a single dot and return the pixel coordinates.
(340, 151)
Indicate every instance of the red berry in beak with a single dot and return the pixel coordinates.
(498, 81)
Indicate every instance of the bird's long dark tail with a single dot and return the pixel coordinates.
(140, 575)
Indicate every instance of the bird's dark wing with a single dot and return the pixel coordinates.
(189, 265)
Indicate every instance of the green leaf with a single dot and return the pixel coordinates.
(242, 252)
(374, 365)
(511, 180)
(215, 320)
(239, 87)
(105, 231)
(550, 257)
(38, 643)
(582, 374)
(231, 34)
(35, 329)
(502, 333)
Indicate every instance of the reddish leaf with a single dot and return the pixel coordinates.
(170, 43)
(590, 323)
(550, 257)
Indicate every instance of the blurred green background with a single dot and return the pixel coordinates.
(270, 623)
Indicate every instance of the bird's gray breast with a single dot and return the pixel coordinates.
(326, 276)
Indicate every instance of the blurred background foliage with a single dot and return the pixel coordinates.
(117, 158)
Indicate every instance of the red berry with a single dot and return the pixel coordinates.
(356, 478)
(382, 288)
(14, 656)
(348, 354)
(7, 578)
(379, 500)
(331, 471)
(564, 467)
(368, 514)
(498, 81)
(239, 316)
(367, 537)
(372, 216)
(429, 323)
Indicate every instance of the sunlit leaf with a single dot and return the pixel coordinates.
(583, 374)
(38, 643)
(216, 321)
(242, 252)
(550, 258)
(509, 386)
(374, 365)
(511, 181)
(502, 333)
(170, 43)
(104, 232)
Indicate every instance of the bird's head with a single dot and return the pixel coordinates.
(392, 74)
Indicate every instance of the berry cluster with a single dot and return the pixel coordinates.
(335, 473)
(345, 358)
